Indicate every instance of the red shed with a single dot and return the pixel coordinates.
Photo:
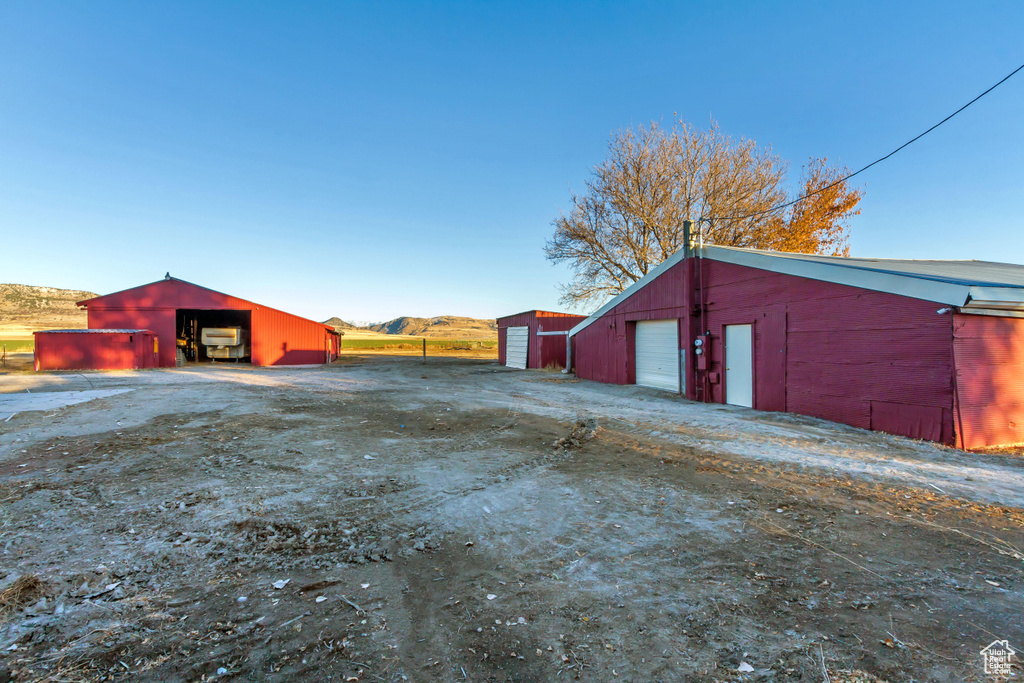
(177, 312)
(534, 339)
(926, 349)
(95, 349)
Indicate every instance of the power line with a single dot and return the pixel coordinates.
(876, 161)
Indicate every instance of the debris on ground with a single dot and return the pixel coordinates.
(582, 431)
(23, 591)
(853, 676)
(146, 534)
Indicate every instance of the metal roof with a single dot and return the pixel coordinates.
(982, 287)
(81, 331)
(538, 311)
(971, 273)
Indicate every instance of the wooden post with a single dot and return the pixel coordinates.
(424, 349)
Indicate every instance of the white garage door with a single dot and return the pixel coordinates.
(657, 354)
(517, 341)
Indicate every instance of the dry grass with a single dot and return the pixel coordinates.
(25, 590)
(21, 361)
(1016, 449)
(482, 353)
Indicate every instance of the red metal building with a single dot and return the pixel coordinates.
(538, 338)
(95, 349)
(176, 311)
(926, 349)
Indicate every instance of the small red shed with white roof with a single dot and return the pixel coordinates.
(534, 339)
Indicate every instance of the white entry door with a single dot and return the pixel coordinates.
(517, 341)
(657, 354)
(739, 366)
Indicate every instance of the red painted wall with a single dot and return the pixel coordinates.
(280, 338)
(94, 350)
(867, 359)
(552, 348)
(277, 338)
(159, 321)
(989, 379)
(601, 348)
(543, 350)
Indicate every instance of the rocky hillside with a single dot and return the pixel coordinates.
(25, 308)
(443, 327)
(339, 324)
(447, 326)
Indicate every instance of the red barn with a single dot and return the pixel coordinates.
(175, 312)
(95, 349)
(534, 339)
(926, 349)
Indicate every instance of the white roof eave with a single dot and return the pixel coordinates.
(630, 291)
(904, 285)
(950, 294)
(997, 297)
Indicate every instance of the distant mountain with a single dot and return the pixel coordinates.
(339, 324)
(445, 326)
(26, 308)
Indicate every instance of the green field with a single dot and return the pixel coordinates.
(15, 345)
(385, 343)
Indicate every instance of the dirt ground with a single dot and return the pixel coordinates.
(387, 520)
(23, 361)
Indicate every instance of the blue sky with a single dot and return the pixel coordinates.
(371, 160)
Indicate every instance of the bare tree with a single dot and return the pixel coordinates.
(630, 219)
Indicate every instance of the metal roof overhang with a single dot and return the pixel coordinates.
(92, 331)
(879, 281)
(1007, 302)
(981, 300)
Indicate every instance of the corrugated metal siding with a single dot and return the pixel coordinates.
(277, 338)
(771, 375)
(989, 379)
(918, 422)
(280, 338)
(555, 322)
(96, 351)
(844, 347)
(159, 321)
(551, 349)
(602, 346)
